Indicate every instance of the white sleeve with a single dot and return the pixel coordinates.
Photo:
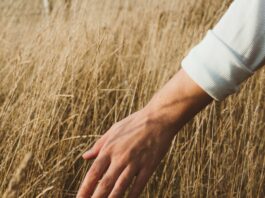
(231, 51)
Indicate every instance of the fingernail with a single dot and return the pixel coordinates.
(89, 152)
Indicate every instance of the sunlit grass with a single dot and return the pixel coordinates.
(65, 78)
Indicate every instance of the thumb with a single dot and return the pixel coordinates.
(94, 151)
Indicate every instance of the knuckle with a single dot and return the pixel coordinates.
(129, 158)
(119, 165)
(107, 149)
(118, 188)
(94, 171)
(105, 152)
(105, 183)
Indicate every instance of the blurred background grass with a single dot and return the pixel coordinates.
(68, 73)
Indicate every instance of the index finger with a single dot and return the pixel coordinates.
(92, 177)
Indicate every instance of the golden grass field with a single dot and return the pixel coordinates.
(67, 76)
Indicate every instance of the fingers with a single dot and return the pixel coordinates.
(123, 182)
(94, 151)
(94, 174)
(108, 181)
(139, 184)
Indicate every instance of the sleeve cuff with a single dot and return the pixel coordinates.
(215, 67)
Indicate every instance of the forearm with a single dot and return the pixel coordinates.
(228, 55)
(177, 102)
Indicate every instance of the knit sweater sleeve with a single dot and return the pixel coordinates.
(230, 52)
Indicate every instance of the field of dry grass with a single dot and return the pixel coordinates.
(65, 78)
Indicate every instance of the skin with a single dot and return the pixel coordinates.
(129, 152)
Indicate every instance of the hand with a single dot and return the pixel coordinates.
(132, 147)
(136, 145)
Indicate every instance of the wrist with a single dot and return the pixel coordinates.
(170, 118)
(177, 102)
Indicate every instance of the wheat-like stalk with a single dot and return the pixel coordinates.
(66, 78)
(17, 178)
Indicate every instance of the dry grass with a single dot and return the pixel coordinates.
(18, 177)
(67, 77)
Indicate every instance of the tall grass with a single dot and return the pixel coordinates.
(67, 77)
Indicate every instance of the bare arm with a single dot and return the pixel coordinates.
(228, 55)
(178, 101)
(136, 145)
